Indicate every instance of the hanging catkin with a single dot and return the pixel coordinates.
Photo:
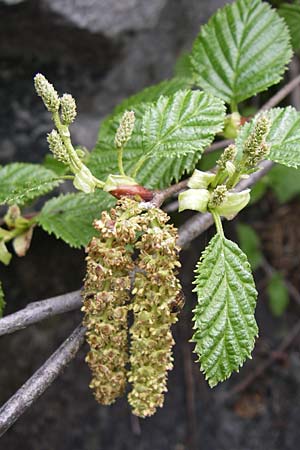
(132, 239)
(156, 290)
(106, 296)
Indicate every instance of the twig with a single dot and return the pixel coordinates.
(294, 71)
(199, 223)
(286, 342)
(280, 95)
(40, 380)
(218, 145)
(37, 311)
(161, 196)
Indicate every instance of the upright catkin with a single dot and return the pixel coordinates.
(105, 299)
(156, 291)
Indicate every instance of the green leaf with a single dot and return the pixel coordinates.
(182, 123)
(22, 182)
(151, 94)
(2, 301)
(284, 135)
(184, 68)
(291, 14)
(174, 131)
(56, 166)
(250, 244)
(278, 294)
(70, 217)
(242, 50)
(224, 316)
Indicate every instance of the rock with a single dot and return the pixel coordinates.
(108, 17)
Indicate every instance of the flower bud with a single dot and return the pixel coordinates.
(218, 196)
(255, 147)
(47, 92)
(57, 147)
(68, 109)
(125, 129)
(228, 154)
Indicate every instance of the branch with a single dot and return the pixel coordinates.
(37, 311)
(280, 95)
(218, 145)
(40, 380)
(199, 223)
(161, 196)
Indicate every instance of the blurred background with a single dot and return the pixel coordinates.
(103, 51)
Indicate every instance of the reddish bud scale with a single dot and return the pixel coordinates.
(133, 191)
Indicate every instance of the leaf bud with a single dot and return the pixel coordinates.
(232, 125)
(47, 92)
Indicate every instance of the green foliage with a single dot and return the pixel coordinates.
(278, 294)
(174, 131)
(22, 182)
(242, 50)
(56, 166)
(2, 301)
(148, 95)
(284, 135)
(224, 316)
(70, 217)
(250, 244)
(185, 122)
(291, 14)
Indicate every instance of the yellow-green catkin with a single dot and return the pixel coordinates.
(156, 291)
(105, 301)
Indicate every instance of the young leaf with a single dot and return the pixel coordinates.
(188, 125)
(22, 182)
(291, 14)
(151, 94)
(182, 123)
(70, 217)
(284, 135)
(2, 301)
(224, 316)
(250, 244)
(242, 50)
(278, 294)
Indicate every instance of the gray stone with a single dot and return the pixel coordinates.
(108, 17)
